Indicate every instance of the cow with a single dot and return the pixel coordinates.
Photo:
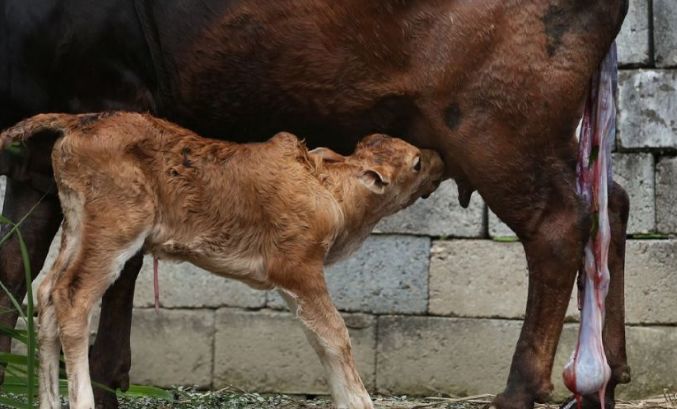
(495, 86)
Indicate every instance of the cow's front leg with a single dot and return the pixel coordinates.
(327, 333)
(110, 357)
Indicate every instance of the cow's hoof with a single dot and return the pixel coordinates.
(512, 401)
(105, 399)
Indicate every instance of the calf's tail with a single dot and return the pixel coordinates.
(25, 129)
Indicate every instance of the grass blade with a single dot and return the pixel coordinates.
(32, 363)
(148, 392)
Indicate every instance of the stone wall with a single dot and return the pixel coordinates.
(435, 298)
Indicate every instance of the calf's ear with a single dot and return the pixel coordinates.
(327, 155)
(374, 181)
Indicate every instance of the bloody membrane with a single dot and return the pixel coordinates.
(588, 372)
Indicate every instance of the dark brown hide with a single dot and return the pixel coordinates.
(496, 86)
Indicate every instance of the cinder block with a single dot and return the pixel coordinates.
(434, 355)
(183, 285)
(635, 172)
(440, 216)
(665, 32)
(633, 40)
(648, 115)
(651, 281)
(498, 229)
(481, 278)
(388, 275)
(172, 347)
(652, 359)
(666, 195)
(267, 351)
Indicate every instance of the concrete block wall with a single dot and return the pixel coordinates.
(435, 298)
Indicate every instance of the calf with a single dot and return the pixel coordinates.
(269, 214)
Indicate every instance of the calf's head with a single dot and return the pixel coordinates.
(388, 174)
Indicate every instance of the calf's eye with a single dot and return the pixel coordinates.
(417, 164)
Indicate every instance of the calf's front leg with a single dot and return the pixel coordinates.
(309, 299)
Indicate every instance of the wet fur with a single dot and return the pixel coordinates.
(269, 214)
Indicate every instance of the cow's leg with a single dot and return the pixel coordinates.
(553, 255)
(614, 324)
(328, 335)
(37, 230)
(531, 185)
(110, 357)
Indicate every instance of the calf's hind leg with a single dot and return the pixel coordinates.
(110, 357)
(324, 327)
(74, 294)
(48, 337)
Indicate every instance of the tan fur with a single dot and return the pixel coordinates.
(269, 214)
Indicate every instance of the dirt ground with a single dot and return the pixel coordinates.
(239, 400)
(229, 399)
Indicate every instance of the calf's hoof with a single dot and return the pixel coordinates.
(356, 402)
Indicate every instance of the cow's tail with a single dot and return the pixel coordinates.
(24, 130)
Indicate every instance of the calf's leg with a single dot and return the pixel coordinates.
(48, 336)
(75, 292)
(328, 335)
(110, 357)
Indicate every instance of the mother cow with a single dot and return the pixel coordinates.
(495, 85)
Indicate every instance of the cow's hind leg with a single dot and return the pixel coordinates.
(531, 185)
(38, 230)
(110, 357)
(614, 324)
(553, 251)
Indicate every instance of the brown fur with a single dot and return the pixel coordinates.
(268, 214)
(495, 86)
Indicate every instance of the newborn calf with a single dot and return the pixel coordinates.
(269, 214)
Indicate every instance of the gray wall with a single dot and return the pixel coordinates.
(433, 300)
